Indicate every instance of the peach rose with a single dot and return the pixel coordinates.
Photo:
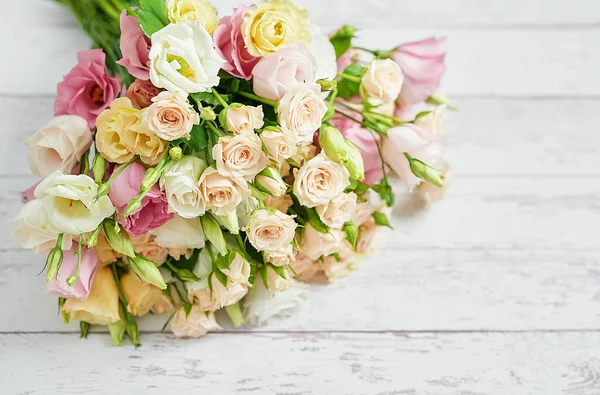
(283, 257)
(301, 110)
(270, 230)
(304, 267)
(143, 297)
(197, 323)
(281, 144)
(141, 93)
(222, 194)
(244, 119)
(316, 244)
(338, 211)
(147, 246)
(106, 254)
(59, 145)
(362, 213)
(240, 156)
(276, 282)
(170, 117)
(319, 181)
(282, 203)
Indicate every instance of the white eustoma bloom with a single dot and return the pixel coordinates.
(262, 306)
(183, 60)
(324, 54)
(71, 203)
(180, 183)
(34, 230)
(180, 233)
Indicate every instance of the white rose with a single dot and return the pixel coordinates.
(180, 233)
(180, 183)
(301, 111)
(222, 194)
(281, 144)
(182, 59)
(316, 244)
(280, 258)
(71, 203)
(244, 119)
(320, 180)
(35, 231)
(270, 230)
(262, 306)
(170, 117)
(434, 121)
(240, 156)
(59, 145)
(197, 323)
(338, 211)
(382, 81)
(324, 53)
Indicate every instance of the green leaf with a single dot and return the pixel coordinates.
(385, 192)
(347, 88)
(351, 231)
(381, 219)
(169, 320)
(209, 98)
(149, 22)
(224, 261)
(315, 221)
(279, 270)
(158, 8)
(199, 138)
(221, 277)
(187, 307)
(85, 329)
(342, 39)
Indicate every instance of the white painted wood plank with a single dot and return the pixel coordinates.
(348, 363)
(481, 212)
(520, 62)
(486, 137)
(394, 290)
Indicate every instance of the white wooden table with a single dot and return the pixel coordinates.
(494, 291)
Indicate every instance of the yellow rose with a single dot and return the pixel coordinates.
(110, 124)
(102, 306)
(143, 297)
(274, 24)
(193, 10)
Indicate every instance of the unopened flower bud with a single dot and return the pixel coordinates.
(132, 332)
(208, 114)
(230, 222)
(351, 231)
(99, 168)
(133, 206)
(118, 240)
(103, 190)
(343, 151)
(176, 153)
(213, 232)
(147, 271)
(425, 172)
(54, 260)
(92, 239)
(117, 331)
(327, 85)
(270, 181)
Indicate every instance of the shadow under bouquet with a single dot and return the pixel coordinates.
(199, 163)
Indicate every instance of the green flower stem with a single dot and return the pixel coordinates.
(268, 102)
(73, 279)
(219, 98)
(212, 126)
(363, 124)
(110, 8)
(131, 323)
(349, 77)
(235, 315)
(104, 188)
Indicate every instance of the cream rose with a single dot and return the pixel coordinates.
(244, 119)
(281, 143)
(281, 203)
(222, 194)
(362, 213)
(304, 267)
(197, 323)
(262, 306)
(382, 81)
(338, 211)
(179, 11)
(102, 305)
(277, 283)
(182, 59)
(319, 181)
(238, 271)
(270, 230)
(180, 183)
(180, 233)
(269, 181)
(35, 231)
(240, 156)
(170, 117)
(342, 265)
(301, 111)
(367, 233)
(274, 24)
(283, 257)
(147, 246)
(71, 203)
(59, 145)
(316, 244)
(143, 298)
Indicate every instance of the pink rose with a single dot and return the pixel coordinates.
(416, 141)
(87, 89)
(135, 47)
(422, 63)
(229, 43)
(141, 93)
(276, 74)
(368, 148)
(81, 289)
(154, 211)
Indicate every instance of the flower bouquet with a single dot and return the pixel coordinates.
(198, 164)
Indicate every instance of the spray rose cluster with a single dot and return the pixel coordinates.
(223, 163)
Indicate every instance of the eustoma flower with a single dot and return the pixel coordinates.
(82, 287)
(135, 47)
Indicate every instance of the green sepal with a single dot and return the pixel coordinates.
(149, 22)
(85, 329)
(342, 39)
(348, 88)
(381, 219)
(158, 8)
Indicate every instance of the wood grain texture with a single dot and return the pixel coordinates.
(394, 290)
(487, 137)
(339, 363)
